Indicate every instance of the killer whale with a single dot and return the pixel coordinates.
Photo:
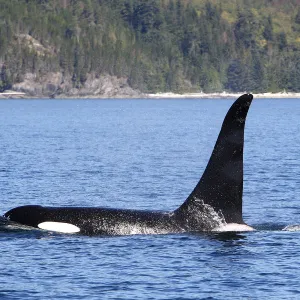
(215, 202)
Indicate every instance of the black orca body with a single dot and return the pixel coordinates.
(215, 201)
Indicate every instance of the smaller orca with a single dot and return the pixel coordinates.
(215, 204)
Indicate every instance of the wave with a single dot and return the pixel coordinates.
(292, 228)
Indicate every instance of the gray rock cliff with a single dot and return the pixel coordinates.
(55, 85)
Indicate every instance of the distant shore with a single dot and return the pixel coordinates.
(12, 94)
(168, 95)
(224, 95)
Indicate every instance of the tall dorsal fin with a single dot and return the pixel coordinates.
(221, 185)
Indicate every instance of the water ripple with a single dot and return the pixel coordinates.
(147, 155)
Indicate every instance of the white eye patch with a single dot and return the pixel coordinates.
(59, 227)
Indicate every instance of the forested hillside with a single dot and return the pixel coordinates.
(156, 45)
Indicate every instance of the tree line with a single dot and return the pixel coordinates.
(159, 45)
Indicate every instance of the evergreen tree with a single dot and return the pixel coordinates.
(5, 79)
(282, 42)
(268, 30)
(158, 45)
(235, 76)
(297, 18)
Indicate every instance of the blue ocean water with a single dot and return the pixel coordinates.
(147, 154)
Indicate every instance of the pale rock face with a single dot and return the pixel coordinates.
(59, 86)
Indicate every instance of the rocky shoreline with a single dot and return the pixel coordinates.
(223, 95)
(56, 85)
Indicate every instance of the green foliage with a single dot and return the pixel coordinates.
(5, 79)
(297, 18)
(159, 45)
(268, 29)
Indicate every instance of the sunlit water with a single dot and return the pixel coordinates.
(147, 154)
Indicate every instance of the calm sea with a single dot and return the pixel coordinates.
(147, 154)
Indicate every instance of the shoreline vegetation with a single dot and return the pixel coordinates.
(168, 95)
(132, 48)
